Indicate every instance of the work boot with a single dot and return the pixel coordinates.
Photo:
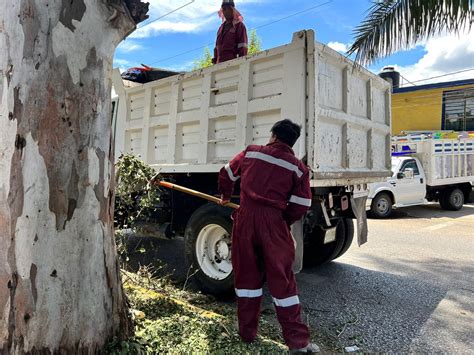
(309, 349)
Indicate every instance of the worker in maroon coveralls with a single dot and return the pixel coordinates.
(275, 193)
(232, 41)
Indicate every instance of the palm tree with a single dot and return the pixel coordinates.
(393, 25)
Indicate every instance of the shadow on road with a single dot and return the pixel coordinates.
(385, 311)
(165, 257)
(430, 211)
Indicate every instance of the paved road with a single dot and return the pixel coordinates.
(410, 289)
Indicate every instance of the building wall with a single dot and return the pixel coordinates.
(419, 110)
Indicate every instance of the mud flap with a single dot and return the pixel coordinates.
(358, 208)
(298, 236)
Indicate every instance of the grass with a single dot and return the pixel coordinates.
(170, 320)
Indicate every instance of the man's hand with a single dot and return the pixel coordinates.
(223, 201)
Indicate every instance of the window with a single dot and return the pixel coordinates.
(458, 108)
(410, 164)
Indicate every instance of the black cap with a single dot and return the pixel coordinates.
(228, 3)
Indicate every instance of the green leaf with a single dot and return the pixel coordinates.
(394, 25)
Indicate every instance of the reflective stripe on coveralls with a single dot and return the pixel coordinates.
(249, 293)
(286, 302)
(231, 174)
(300, 201)
(272, 160)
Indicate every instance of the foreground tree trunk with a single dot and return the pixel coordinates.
(60, 288)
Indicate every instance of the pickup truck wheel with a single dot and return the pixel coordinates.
(452, 200)
(208, 249)
(317, 253)
(381, 206)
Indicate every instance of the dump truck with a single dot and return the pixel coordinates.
(188, 126)
(426, 168)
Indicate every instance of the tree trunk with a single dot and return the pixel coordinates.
(60, 287)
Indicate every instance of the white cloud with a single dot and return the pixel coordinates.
(193, 18)
(122, 64)
(445, 54)
(129, 46)
(183, 67)
(160, 27)
(338, 46)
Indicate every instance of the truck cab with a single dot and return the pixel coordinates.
(406, 187)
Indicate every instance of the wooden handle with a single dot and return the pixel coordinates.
(196, 193)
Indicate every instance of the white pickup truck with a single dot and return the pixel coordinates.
(425, 170)
(188, 126)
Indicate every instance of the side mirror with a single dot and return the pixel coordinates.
(409, 174)
(400, 176)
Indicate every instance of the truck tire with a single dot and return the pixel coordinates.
(207, 249)
(349, 225)
(381, 206)
(317, 253)
(452, 200)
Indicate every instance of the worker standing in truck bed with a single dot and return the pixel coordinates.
(275, 193)
(232, 40)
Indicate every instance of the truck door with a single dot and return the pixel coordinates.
(410, 188)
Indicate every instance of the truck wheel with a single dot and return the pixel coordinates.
(349, 225)
(452, 200)
(208, 249)
(317, 253)
(381, 206)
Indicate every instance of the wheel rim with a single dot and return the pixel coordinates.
(213, 252)
(382, 205)
(457, 199)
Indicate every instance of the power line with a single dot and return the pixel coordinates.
(442, 76)
(256, 28)
(169, 13)
(295, 14)
(410, 82)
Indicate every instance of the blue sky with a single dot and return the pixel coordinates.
(163, 43)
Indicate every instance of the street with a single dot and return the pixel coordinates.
(409, 289)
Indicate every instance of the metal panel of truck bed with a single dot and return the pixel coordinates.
(196, 122)
(352, 123)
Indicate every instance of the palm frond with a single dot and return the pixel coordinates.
(393, 25)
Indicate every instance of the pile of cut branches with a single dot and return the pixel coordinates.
(171, 320)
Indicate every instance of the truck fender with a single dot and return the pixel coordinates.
(380, 189)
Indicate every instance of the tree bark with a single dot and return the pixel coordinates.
(60, 286)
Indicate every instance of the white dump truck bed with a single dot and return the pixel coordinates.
(197, 121)
(445, 161)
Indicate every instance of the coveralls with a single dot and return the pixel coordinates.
(275, 193)
(231, 42)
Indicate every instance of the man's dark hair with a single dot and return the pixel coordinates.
(286, 131)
